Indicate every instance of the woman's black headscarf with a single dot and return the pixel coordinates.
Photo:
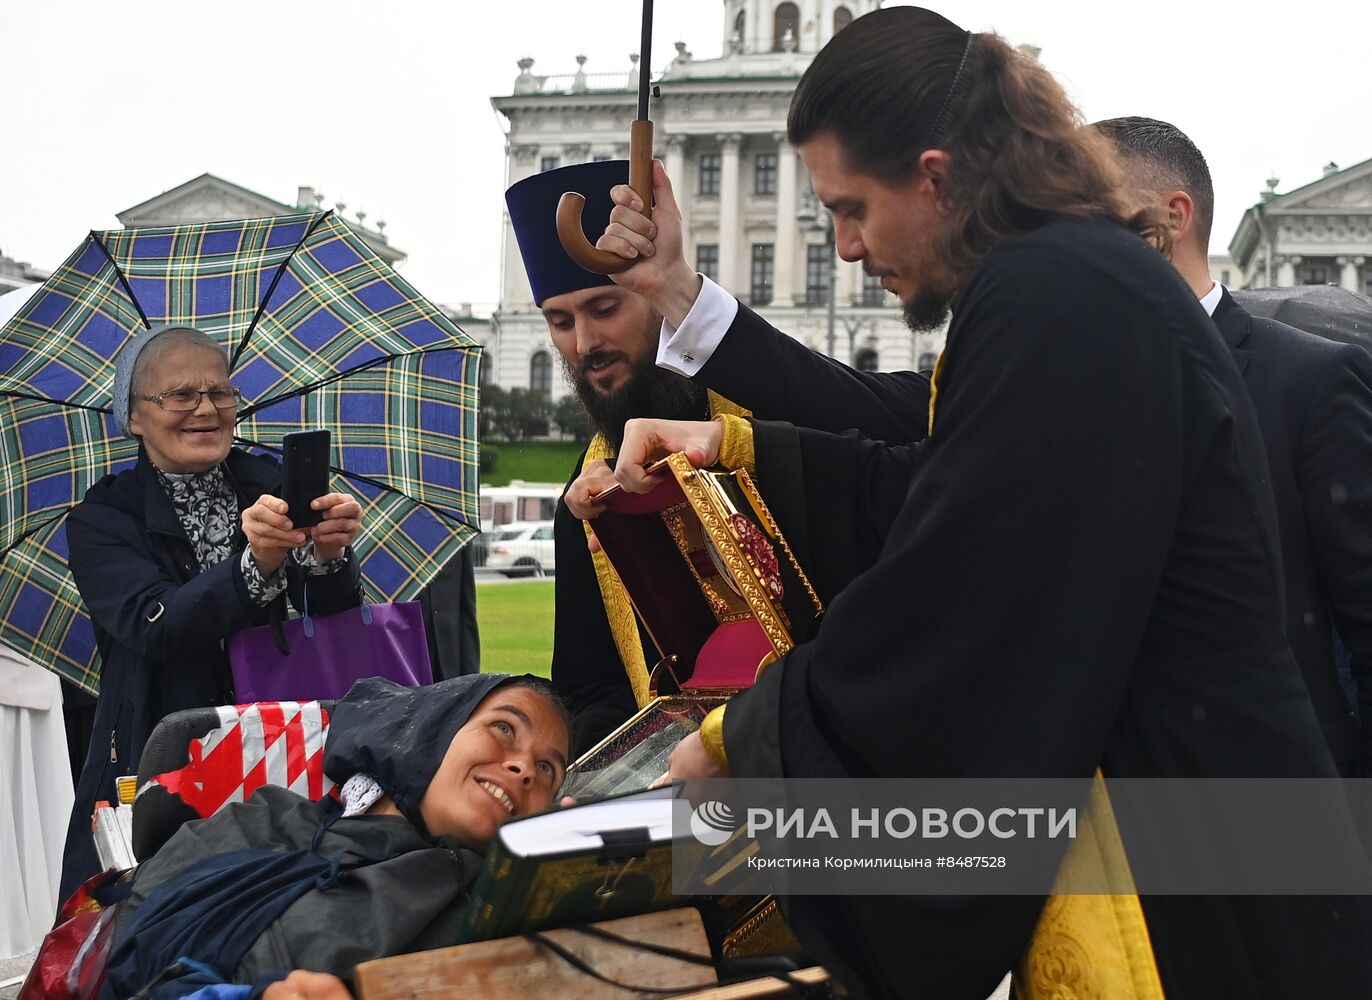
(399, 735)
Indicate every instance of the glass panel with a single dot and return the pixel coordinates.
(761, 287)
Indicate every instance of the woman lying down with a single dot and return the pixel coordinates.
(231, 905)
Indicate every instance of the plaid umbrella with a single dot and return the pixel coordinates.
(320, 333)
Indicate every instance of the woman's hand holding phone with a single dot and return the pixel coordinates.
(270, 533)
(342, 519)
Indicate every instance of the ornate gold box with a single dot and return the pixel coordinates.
(719, 591)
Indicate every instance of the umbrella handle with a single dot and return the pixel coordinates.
(570, 206)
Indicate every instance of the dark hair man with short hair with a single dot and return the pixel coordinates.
(1077, 571)
(1314, 403)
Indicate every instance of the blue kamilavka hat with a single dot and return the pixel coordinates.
(533, 213)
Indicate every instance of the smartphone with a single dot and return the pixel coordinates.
(305, 456)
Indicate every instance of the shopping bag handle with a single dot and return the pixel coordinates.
(307, 624)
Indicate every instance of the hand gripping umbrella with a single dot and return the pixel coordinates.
(320, 332)
(569, 208)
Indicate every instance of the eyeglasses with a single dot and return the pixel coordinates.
(181, 400)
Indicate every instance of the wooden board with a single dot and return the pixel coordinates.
(517, 968)
(767, 987)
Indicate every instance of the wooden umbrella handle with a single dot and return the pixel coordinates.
(570, 206)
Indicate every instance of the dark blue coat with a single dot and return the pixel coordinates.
(160, 622)
(1313, 398)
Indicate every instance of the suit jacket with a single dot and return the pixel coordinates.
(1081, 572)
(1313, 399)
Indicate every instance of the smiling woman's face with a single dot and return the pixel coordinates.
(191, 440)
(508, 760)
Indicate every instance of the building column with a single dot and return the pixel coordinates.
(849, 281)
(676, 173)
(824, 24)
(730, 229)
(1348, 274)
(787, 238)
(1286, 270)
(753, 42)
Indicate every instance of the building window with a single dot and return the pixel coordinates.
(1314, 274)
(600, 157)
(866, 360)
(842, 18)
(786, 22)
(1224, 276)
(817, 273)
(709, 173)
(765, 174)
(739, 25)
(707, 260)
(760, 292)
(538, 509)
(549, 163)
(483, 376)
(927, 360)
(541, 374)
(872, 292)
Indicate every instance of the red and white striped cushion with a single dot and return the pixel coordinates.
(267, 743)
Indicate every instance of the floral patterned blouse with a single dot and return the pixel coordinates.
(208, 510)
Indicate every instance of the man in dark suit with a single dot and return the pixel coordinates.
(1314, 403)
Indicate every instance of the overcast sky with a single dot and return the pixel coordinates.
(385, 106)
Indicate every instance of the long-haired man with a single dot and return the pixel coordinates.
(1078, 569)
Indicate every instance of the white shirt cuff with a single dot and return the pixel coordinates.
(686, 348)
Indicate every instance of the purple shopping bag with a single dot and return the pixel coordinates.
(329, 652)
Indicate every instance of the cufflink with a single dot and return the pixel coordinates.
(687, 358)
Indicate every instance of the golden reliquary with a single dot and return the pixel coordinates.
(719, 592)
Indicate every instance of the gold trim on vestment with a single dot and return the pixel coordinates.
(618, 609)
(1091, 946)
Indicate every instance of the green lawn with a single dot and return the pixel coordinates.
(516, 622)
(533, 461)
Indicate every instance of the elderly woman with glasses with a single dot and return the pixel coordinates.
(175, 554)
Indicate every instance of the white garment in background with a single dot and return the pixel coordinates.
(35, 801)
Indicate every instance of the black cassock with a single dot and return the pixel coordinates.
(1081, 570)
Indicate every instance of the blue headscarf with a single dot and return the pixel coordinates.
(124, 366)
(533, 214)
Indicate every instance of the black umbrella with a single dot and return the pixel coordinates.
(1325, 310)
(569, 230)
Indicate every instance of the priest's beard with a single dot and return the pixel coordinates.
(926, 312)
(649, 391)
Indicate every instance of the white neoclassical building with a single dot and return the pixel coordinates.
(751, 221)
(208, 198)
(15, 274)
(1318, 234)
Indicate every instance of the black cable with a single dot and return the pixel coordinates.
(740, 968)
